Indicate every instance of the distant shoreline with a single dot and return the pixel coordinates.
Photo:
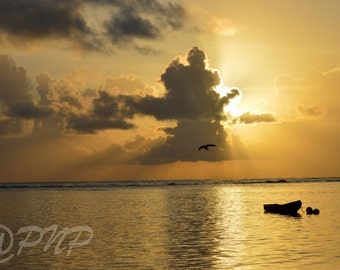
(158, 183)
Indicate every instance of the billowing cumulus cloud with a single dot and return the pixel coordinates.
(62, 99)
(191, 100)
(15, 86)
(67, 20)
(76, 110)
(190, 104)
(127, 85)
(16, 100)
(79, 110)
(182, 141)
(107, 112)
(190, 92)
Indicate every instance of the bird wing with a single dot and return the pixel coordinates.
(207, 145)
(202, 146)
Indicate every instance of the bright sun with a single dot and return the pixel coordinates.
(232, 108)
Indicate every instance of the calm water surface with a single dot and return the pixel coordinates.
(219, 226)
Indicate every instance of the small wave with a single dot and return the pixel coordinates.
(157, 183)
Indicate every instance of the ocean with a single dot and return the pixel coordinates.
(181, 224)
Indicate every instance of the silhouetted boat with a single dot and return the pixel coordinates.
(283, 209)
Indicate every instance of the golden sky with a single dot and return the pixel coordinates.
(114, 90)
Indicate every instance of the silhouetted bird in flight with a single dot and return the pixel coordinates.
(205, 146)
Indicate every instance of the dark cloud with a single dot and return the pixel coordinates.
(163, 13)
(16, 100)
(138, 142)
(182, 142)
(72, 101)
(10, 127)
(128, 25)
(107, 113)
(189, 93)
(135, 21)
(14, 83)
(50, 98)
(142, 19)
(87, 111)
(26, 109)
(87, 124)
(252, 117)
(36, 19)
(66, 19)
(106, 106)
(190, 100)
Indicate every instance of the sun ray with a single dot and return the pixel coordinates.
(232, 107)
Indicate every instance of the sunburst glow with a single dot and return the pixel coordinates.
(231, 108)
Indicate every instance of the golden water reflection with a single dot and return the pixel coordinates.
(189, 227)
